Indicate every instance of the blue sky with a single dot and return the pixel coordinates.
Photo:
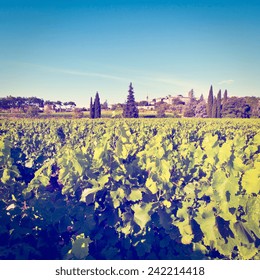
(69, 49)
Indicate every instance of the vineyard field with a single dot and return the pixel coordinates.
(130, 189)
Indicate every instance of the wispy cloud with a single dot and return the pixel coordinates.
(143, 79)
(226, 82)
(87, 74)
(73, 72)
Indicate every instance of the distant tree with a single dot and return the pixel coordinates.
(189, 112)
(214, 108)
(254, 103)
(21, 103)
(15, 102)
(130, 109)
(97, 107)
(48, 102)
(142, 103)
(225, 98)
(4, 103)
(104, 106)
(210, 102)
(32, 111)
(177, 101)
(91, 109)
(256, 111)
(201, 98)
(201, 110)
(72, 104)
(236, 107)
(219, 105)
(161, 109)
(32, 101)
(189, 108)
(191, 94)
(117, 106)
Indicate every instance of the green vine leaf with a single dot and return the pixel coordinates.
(141, 214)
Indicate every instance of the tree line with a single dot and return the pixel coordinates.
(224, 107)
(215, 106)
(11, 102)
(221, 107)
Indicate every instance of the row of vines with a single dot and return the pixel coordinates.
(130, 189)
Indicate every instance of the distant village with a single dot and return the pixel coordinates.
(179, 101)
(169, 99)
(174, 104)
(177, 105)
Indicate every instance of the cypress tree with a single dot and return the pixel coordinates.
(91, 109)
(219, 104)
(97, 107)
(130, 108)
(210, 102)
(225, 97)
(214, 108)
